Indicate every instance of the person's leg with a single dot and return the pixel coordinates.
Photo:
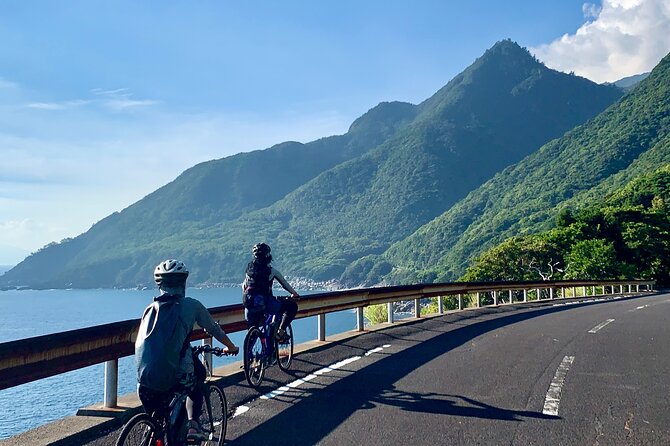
(195, 397)
(289, 310)
(195, 400)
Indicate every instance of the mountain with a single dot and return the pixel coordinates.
(628, 83)
(111, 252)
(629, 139)
(406, 165)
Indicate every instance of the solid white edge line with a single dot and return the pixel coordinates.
(601, 325)
(311, 376)
(553, 398)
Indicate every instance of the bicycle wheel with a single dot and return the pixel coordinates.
(285, 350)
(215, 403)
(254, 357)
(141, 430)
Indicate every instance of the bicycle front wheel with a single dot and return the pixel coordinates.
(141, 430)
(285, 350)
(214, 417)
(254, 357)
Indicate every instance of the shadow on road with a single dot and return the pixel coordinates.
(457, 405)
(311, 419)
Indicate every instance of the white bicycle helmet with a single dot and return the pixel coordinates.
(170, 270)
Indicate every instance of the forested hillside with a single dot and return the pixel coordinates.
(627, 236)
(329, 203)
(630, 139)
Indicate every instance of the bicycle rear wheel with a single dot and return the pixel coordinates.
(285, 350)
(216, 426)
(254, 357)
(141, 430)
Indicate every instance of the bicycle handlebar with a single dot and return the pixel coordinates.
(217, 351)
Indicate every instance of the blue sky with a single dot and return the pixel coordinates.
(103, 102)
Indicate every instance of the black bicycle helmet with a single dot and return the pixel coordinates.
(261, 251)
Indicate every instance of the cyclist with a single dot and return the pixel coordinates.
(257, 291)
(163, 352)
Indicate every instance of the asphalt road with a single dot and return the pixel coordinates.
(593, 373)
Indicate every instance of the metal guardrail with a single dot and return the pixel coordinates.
(27, 360)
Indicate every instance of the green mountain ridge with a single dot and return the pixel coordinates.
(629, 139)
(326, 204)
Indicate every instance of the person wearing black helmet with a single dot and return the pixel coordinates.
(257, 291)
(163, 352)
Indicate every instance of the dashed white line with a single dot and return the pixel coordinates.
(239, 410)
(553, 398)
(330, 368)
(601, 325)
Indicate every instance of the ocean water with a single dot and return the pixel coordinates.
(29, 313)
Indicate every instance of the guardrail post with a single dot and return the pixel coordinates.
(417, 308)
(574, 291)
(111, 383)
(460, 301)
(539, 294)
(525, 295)
(551, 292)
(511, 296)
(479, 299)
(593, 290)
(637, 287)
(208, 356)
(495, 297)
(389, 312)
(583, 291)
(360, 321)
(440, 306)
(321, 327)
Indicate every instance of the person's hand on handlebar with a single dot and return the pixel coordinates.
(295, 296)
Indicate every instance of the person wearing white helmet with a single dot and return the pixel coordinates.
(163, 353)
(257, 294)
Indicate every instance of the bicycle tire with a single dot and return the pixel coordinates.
(285, 350)
(254, 357)
(141, 430)
(215, 401)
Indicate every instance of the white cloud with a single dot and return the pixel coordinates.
(590, 10)
(58, 105)
(625, 37)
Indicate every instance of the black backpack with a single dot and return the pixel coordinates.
(257, 283)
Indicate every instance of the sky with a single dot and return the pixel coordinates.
(103, 102)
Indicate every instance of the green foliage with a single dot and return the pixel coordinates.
(626, 236)
(376, 314)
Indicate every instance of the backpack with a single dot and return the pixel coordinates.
(257, 285)
(162, 341)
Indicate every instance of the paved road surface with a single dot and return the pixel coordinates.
(593, 373)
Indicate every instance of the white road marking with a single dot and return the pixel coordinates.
(553, 398)
(641, 307)
(239, 410)
(601, 325)
(323, 371)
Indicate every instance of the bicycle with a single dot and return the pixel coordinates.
(168, 427)
(262, 350)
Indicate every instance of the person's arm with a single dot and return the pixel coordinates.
(287, 286)
(207, 322)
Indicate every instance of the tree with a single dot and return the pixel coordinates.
(592, 259)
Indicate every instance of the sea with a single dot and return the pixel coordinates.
(29, 313)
